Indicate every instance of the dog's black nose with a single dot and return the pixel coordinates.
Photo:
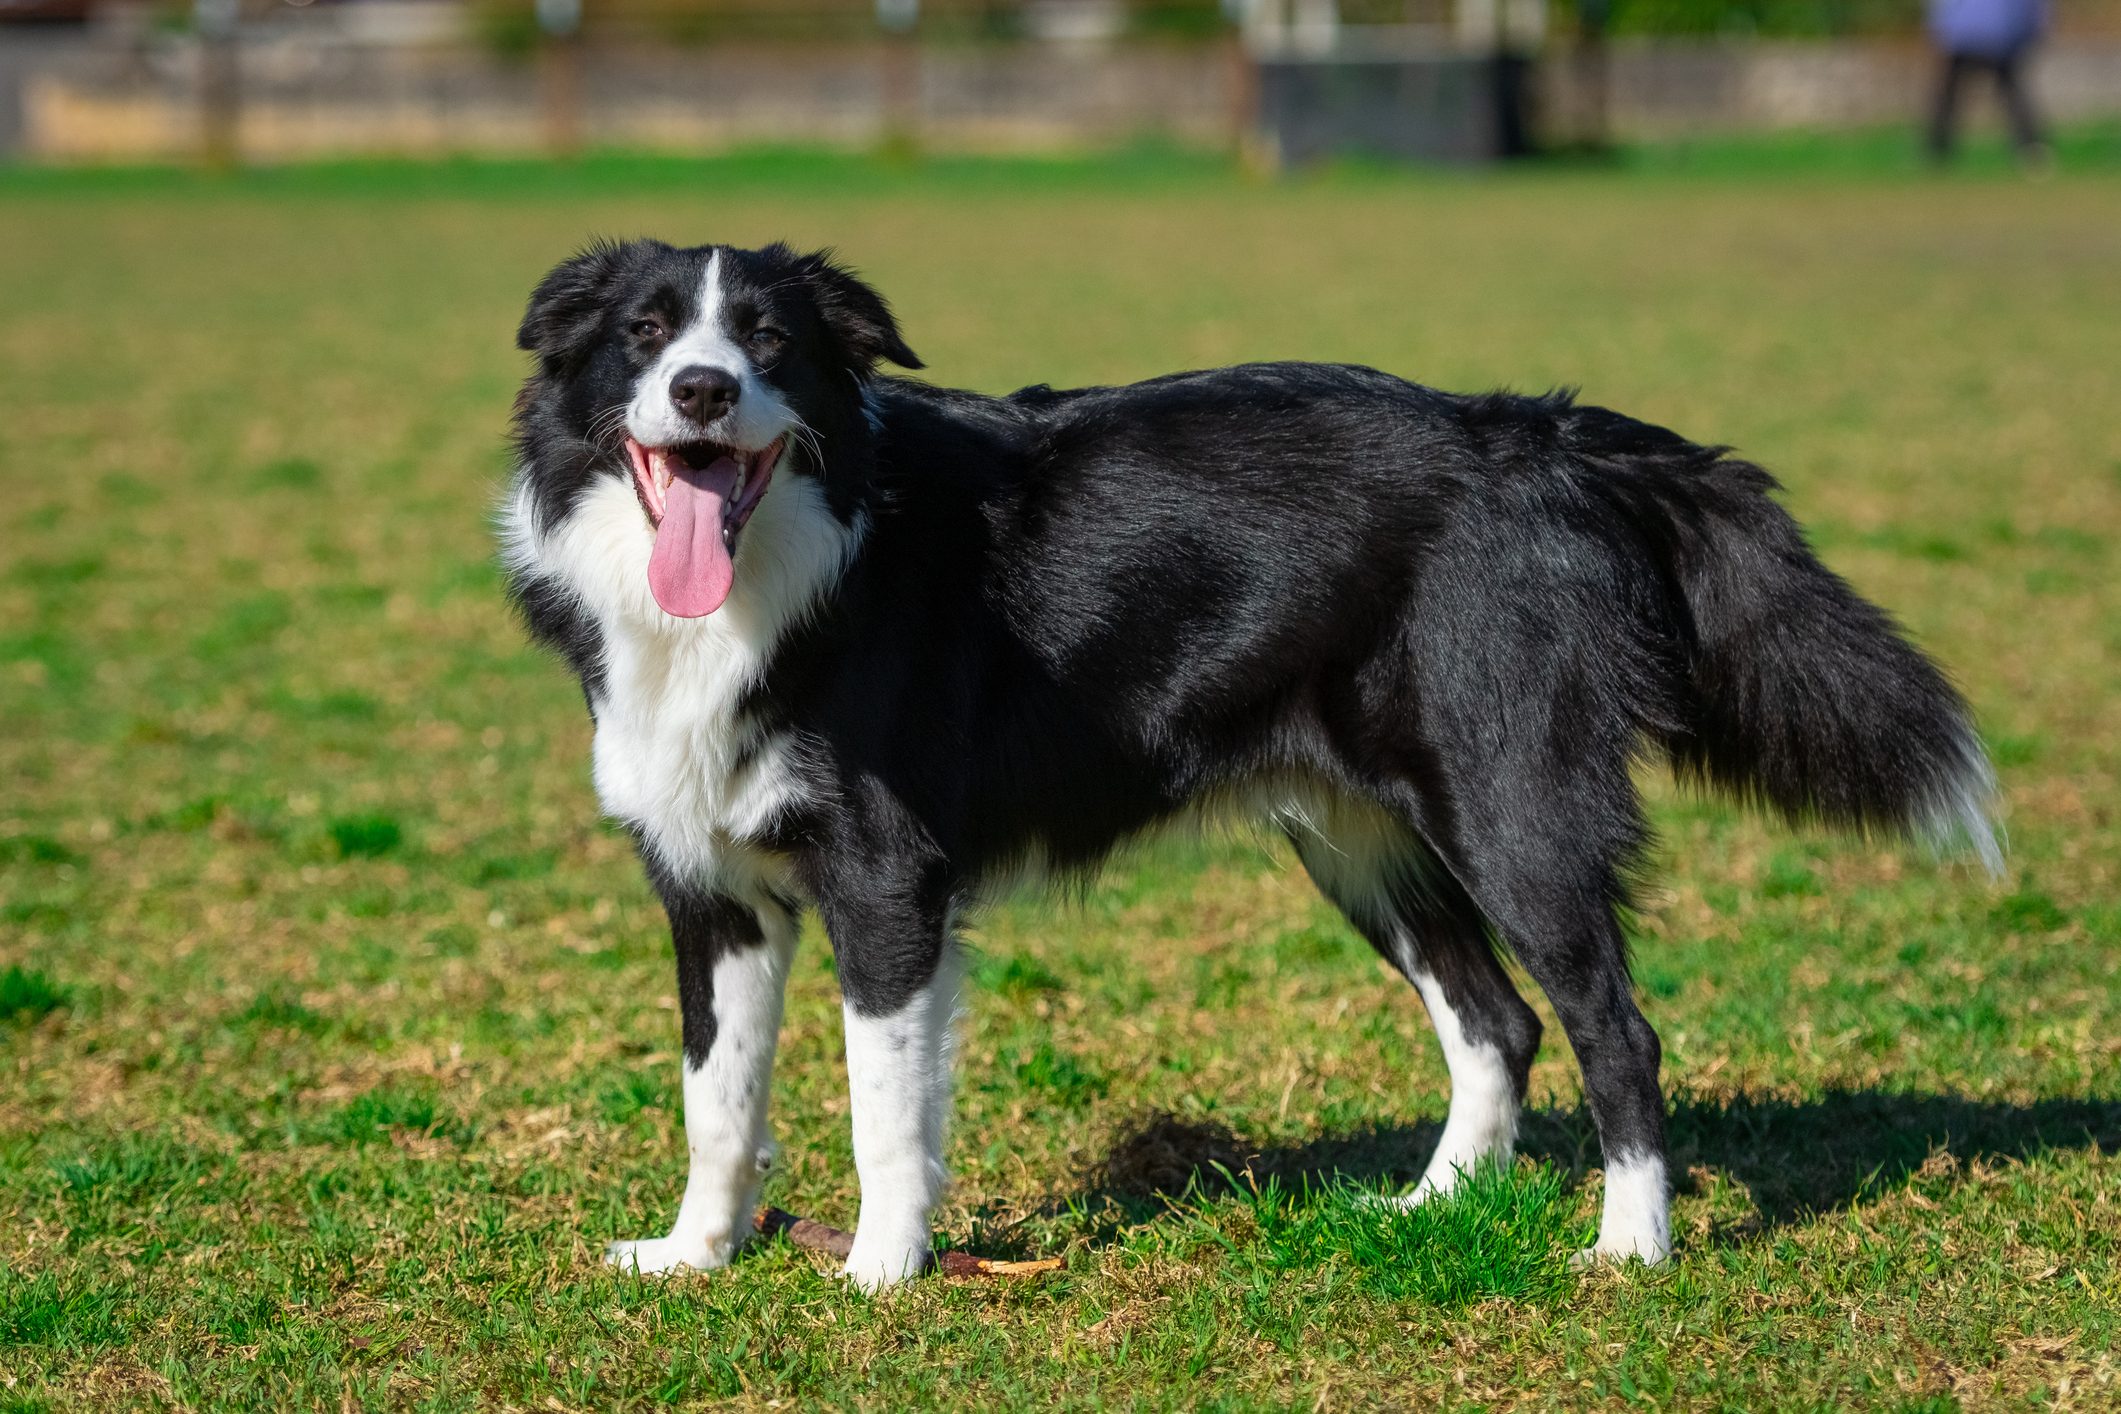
(702, 393)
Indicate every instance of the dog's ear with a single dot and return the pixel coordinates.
(855, 313)
(567, 308)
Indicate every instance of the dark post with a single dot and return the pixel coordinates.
(1244, 93)
(901, 86)
(220, 81)
(1594, 72)
(560, 74)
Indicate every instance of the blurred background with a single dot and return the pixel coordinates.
(1281, 81)
(338, 1034)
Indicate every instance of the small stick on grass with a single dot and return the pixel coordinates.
(816, 1237)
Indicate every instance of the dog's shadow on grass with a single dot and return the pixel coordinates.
(1795, 1157)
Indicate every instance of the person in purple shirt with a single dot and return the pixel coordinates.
(1991, 35)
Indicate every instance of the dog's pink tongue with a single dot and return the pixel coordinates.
(689, 571)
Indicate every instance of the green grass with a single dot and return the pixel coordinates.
(339, 1037)
(1502, 1236)
(27, 995)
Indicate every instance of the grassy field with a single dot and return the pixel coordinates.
(338, 1036)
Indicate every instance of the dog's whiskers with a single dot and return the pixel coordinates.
(806, 437)
(609, 425)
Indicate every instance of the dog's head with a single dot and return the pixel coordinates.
(699, 374)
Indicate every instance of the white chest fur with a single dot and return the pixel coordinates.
(673, 756)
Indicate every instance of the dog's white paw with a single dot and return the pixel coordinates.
(873, 1266)
(1428, 1190)
(1650, 1254)
(653, 1256)
(1396, 1202)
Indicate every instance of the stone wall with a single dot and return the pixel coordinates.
(306, 101)
(316, 93)
(1667, 89)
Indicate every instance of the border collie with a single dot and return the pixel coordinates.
(856, 643)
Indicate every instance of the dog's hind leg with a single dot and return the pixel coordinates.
(1577, 955)
(1549, 882)
(1417, 918)
(733, 962)
(1489, 1038)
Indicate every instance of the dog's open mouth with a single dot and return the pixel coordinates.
(698, 496)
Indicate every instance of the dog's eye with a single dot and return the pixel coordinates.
(647, 329)
(767, 340)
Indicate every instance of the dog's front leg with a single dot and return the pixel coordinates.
(732, 972)
(898, 979)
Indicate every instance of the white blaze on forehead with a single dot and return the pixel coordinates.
(706, 341)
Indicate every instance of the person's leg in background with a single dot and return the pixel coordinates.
(2026, 135)
(1944, 118)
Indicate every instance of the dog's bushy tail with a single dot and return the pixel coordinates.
(1802, 695)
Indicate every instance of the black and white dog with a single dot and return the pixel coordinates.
(857, 643)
